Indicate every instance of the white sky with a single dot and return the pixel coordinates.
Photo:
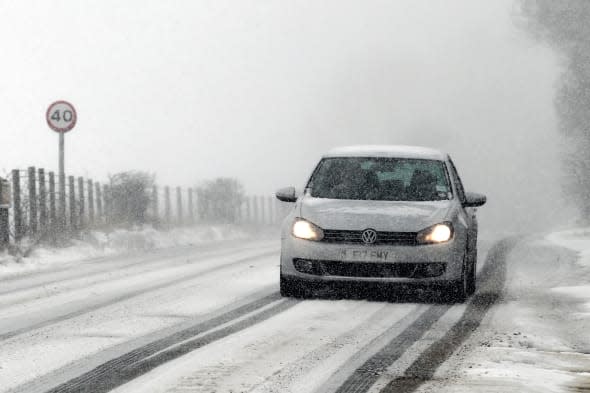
(258, 90)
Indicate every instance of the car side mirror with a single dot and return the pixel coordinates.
(473, 199)
(286, 194)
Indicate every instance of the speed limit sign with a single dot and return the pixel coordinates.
(61, 116)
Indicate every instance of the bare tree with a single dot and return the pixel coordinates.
(219, 200)
(130, 197)
(564, 25)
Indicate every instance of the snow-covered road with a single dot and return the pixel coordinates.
(210, 319)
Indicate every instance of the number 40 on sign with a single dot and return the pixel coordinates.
(61, 116)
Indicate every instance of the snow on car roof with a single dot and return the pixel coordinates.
(398, 151)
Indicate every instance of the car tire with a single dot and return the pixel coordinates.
(459, 290)
(472, 273)
(292, 287)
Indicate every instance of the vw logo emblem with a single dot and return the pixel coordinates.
(369, 236)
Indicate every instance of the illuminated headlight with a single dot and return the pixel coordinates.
(438, 233)
(304, 229)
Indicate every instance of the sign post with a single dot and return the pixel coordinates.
(61, 118)
(4, 205)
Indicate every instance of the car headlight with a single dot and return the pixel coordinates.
(439, 233)
(304, 229)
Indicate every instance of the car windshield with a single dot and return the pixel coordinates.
(384, 179)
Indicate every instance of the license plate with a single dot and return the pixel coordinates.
(365, 255)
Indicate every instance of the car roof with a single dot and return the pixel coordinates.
(394, 151)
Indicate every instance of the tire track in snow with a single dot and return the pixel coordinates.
(423, 368)
(283, 379)
(122, 268)
(366, 375)
(133, 364)
(492, 279)
(126, 296)
(82, 365)
(103, 265)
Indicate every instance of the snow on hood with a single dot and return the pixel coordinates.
(391, 216)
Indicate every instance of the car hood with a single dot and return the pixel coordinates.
(391, 216)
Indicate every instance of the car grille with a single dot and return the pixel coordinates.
(383, 238)
(369, 269)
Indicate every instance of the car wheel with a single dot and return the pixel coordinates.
(459, 290)
(472, 272)
(292, 287)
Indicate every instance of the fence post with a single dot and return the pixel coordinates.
(179, 205)
(254, 208)
(42, 201)
(72, 190)
(61, 213)
(32, 200)
(190, 208)
(82, 204)
(4, 218)
(262, 209)
(4, 228)
(268, 209)
(241, 212)
(107, 204)
(16, 201)
(155, 206)
(270, 218)
(263, 202)
(200, 205)
(98, 203)
(90, 203)
(167, 206)
(215, 206)
(52, 216)
(247, 210)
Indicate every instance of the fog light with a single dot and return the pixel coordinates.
(433, 269)
(304, 266)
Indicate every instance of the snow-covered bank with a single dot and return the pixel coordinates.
(579, 241)
(537, 338)
(97, 244)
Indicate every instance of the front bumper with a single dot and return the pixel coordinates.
(334, 262)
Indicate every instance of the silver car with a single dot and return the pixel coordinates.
(381, 214)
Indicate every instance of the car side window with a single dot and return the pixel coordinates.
(457, 181)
